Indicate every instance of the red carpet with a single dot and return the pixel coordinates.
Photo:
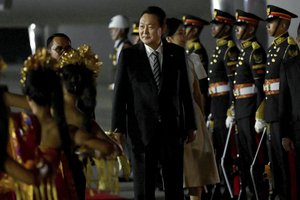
(102, 196)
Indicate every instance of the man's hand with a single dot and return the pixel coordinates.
(191, 136)
(259, 125)
(287, 144)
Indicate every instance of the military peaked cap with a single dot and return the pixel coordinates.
(243, 17)
(222, 17)
(274, 12)
(190, 20)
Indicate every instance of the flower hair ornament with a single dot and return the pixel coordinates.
(83, 55)
(40, 59)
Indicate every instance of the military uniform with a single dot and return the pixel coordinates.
(119, 45)
(282, 49)
(248, 91)
(220, 77)
(195, 46)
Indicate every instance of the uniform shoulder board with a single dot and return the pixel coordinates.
(230, 43)
(293, 51)
(197, 45)
(291, 41)
(255, 45)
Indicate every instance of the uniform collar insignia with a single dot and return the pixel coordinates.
(221, 42)
(281, 39)
(246, 44)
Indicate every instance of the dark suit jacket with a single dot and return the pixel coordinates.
(139, 109)
(289, 96)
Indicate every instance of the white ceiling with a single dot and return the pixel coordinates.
(24, 12)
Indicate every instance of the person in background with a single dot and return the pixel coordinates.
(282, 49)
(118, 28)
(58, 43)
(249, 95)
(200, 166)
(221, 70)
(289, 111)
(151, 92)
(135, 38)
(193, 28)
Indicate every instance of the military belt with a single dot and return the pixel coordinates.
(244, 90)
(271, 86)
(219, 88)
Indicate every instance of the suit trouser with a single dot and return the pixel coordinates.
(279, 163)
(168, 151)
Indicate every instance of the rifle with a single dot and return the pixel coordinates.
(223, 159)
(253, 163)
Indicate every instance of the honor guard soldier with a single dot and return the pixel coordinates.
(119, 28)
(282, 49)
(248, 92)
(220, 76)
(193, 28)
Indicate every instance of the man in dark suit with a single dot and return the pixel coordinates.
(289, 108)
(153, 105)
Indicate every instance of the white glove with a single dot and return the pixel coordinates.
(210, 123)
(229, 120)
(259, 125)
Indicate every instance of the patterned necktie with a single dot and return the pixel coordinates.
(156, 68)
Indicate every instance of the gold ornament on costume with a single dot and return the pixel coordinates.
(83, 55)
(40, 59)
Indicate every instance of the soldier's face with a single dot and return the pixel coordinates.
(272, 27)
(150, 30)
(240, 32)
(216, 29)
(114, 33)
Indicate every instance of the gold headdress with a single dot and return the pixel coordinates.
(40, 59)
(83, 55)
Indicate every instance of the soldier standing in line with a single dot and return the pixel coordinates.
(248, 92)
(220, 76)
(193, 28)
(119, 28)
(282, 49)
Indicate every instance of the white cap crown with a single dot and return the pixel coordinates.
(119, 21)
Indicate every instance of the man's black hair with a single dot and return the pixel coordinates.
(157, 11)
(50, 38)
